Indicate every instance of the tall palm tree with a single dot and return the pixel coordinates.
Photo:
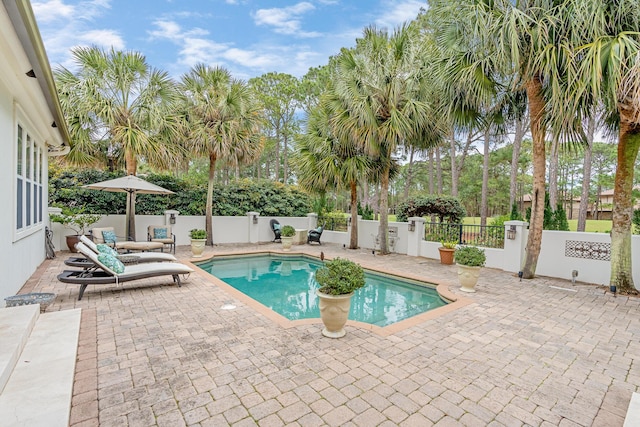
(120, 108)
(608, 71)
(224, 122)
(324, 162)
(379, 99)
(529, 42)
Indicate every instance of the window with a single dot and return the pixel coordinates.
(30, 163)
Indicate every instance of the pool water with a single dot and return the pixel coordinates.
(287, 286)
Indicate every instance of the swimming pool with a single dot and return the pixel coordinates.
(286, 285)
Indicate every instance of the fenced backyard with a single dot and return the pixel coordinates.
(487, 236)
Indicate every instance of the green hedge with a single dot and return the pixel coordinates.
(236, 199)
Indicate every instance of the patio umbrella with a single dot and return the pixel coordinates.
(131, 185)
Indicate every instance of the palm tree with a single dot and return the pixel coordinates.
(325, 163)
(529, 43)
(378, 101)
(608, 71)
(120, 108)
(224, 122)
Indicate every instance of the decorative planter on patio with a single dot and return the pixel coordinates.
(446, 255)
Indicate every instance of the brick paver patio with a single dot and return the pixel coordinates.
(522, 353)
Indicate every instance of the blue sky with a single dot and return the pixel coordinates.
(247, 37)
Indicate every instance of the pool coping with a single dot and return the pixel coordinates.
(455, 301)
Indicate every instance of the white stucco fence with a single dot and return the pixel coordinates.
(562, 253)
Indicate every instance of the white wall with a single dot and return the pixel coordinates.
(20, 255)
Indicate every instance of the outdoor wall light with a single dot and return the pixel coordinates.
(349, 221)
(31, 74)
(511, 232)
(172, 218)
(255, 218)
(412, 226)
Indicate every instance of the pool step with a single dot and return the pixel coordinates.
(16, 324)
(39, 389)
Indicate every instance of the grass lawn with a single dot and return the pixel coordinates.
(594, 226)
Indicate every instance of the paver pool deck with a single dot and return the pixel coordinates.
(541, 352)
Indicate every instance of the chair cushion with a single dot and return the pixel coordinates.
(109, 236)
(106, 249)
(276, 226)
(159, 233)
(112, 262)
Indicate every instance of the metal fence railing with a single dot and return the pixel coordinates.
(488, 236)
(333, 223)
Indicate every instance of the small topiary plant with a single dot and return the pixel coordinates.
(471, 256)
(339, 277)
(288, 231)
(197, 233)
(449, 244)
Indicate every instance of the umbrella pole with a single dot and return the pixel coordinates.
(131, 216)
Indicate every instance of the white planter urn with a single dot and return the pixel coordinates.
(197, 247)
(468, 277)
(287, 242)
(334, 312)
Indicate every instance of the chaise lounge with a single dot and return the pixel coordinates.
(141, 257)
(114, 273)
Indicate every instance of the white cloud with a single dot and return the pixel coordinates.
(286, 20)
(400, 12)
(52, 10)
(195, 48)
(64, 26)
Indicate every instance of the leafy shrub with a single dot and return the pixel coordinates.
(471, 256)
(446, 208)
(339, 277)
(198, 233)
(288, 231)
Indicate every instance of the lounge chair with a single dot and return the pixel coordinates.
(275, 227)
(141, 257)
(101, 274)
(162, 234)
(107, 236)
(314, 235)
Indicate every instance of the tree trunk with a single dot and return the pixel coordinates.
(454, 167)
(515, 157)
(384, 208)
(209, 210)
(586, 176)
(553, 174)
(407, 183)
(621, 266)
(353, 241)
(285, 156)
(430, 170)
(484, 206)
(536, 110)
(439, 170)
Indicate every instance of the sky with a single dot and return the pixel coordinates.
(247, 37)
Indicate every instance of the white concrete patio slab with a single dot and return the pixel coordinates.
(16, 324)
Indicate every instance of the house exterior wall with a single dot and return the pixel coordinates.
(21, 102)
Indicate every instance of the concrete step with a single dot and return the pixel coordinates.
(16, 324)
(40, 387)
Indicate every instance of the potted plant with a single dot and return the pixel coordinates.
(198, 240)
(447, 250)
(469, 259)
(338, 279)
(286, 236)
(77, 221)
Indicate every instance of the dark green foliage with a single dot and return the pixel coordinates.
(515, 214)
(552, 220)
(471, 256)
(560, 219)
(366, 212)
(339, 277)
(236, 199)
(636, 221)
(445, 208)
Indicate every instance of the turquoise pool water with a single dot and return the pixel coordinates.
(286, 285)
